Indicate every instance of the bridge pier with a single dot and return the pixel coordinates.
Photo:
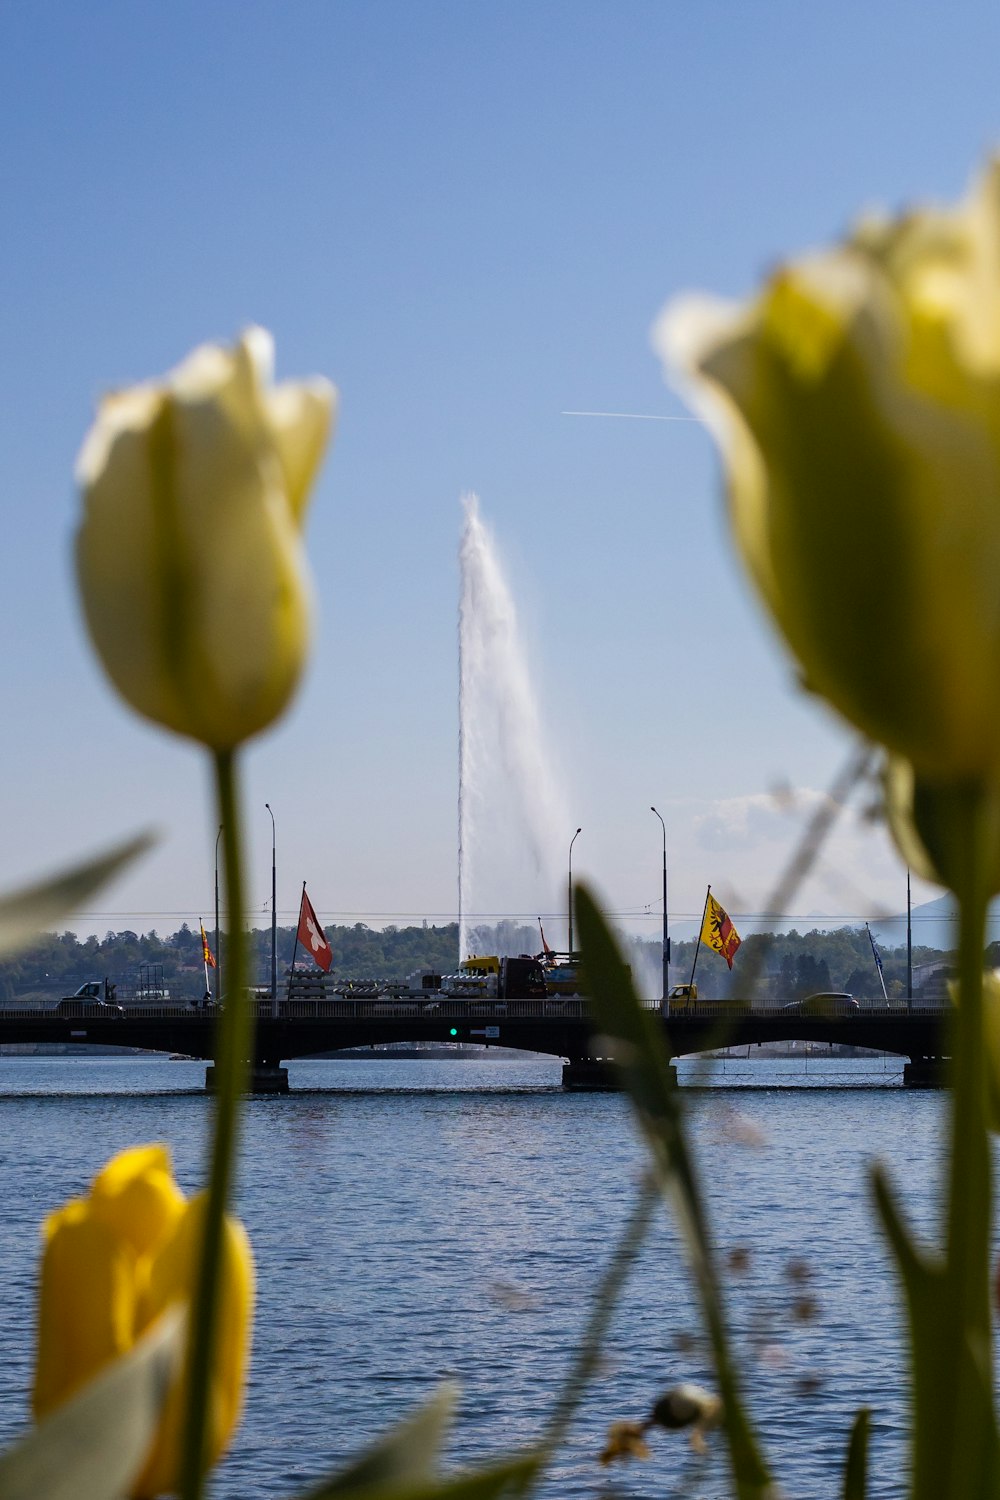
(925, 1073)
(596, 1075)
(265, 1078)
(586, 1074)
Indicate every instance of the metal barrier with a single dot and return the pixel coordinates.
(365, 1006)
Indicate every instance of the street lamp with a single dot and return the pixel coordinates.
(909, 945)
(666, 940)
(570, 902)
(274, 916)
(218, 950)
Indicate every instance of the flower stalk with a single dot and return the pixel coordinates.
(966, 1380)
(233, 1046)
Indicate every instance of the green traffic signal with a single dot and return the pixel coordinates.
(453, 1031)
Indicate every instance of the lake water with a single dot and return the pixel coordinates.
(419, 1221)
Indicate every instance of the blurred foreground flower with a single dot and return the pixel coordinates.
(190, 556)
(684, 1405)
(688, 1405)
(625, 1440)
(857, 404)
(113, 1262)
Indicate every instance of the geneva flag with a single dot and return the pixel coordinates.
(312, 936)
(718, 932)
(207, 955)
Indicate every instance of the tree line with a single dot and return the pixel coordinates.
(787, 965)
(56, 964)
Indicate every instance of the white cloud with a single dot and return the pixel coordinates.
(743, 823)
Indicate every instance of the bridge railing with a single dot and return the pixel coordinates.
(374, 1007)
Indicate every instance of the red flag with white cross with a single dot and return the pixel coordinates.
(311, 935)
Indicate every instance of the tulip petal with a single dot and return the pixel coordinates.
(87, 1304)
(302, 416)
(136, 1196)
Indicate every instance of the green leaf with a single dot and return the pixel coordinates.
(587, 1354)
(635, 1040)
(940, 1469)
(93, 1446)
(856, 1471)
(510, 1477)
(402, 1465)
(914, 1268)
(410, 1451)
(25, 913)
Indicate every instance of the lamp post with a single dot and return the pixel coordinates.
(570, 901)
(274, 916)
(909, 945)
(218, 950)
(666, 940)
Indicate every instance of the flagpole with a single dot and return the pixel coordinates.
(878, 963)
(697, 946)
(909, 947)
(274, 916)
(204, 960)
(665, 945)
(295, 944)
(218, 949)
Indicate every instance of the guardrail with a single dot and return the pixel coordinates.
(570, 1007)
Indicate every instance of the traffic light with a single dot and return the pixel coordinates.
(453, 1031)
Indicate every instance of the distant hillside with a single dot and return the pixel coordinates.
(935, 923)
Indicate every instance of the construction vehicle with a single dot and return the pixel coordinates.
(680, 998)
(492, 977)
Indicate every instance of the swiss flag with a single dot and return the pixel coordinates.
(311, 935)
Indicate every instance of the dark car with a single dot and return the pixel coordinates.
(75, 1009)
(826, 1004)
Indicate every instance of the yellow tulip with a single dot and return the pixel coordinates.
(112, 1263)
(856, 401)
(190, 559)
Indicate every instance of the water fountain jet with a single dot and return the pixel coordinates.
(511, 813)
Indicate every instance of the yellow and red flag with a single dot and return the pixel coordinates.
(718, 932)
(208, 956)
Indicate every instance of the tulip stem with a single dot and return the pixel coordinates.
(233, 1045)
(967, 1386)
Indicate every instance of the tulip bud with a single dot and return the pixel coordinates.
(856, 404)
(190, 560)
(112, 1263)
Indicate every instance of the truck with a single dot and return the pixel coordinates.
(520, 978)
(96, 997)
(680, 998)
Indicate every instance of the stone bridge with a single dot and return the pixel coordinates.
(560, 1027)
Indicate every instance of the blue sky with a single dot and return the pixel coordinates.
(467, 216)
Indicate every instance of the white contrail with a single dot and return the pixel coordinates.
(633, 416)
